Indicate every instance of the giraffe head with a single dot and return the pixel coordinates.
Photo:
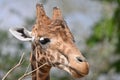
(53, 42)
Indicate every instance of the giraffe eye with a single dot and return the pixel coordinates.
(44, 41)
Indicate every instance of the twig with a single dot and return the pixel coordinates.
(17, 65)
(27, 74)
(27, 68)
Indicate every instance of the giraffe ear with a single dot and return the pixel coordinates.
(21, 34)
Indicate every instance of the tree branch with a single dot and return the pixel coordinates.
(17, 65)
(27, 74)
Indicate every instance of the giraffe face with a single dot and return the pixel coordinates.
(58, 45)
(53, 43)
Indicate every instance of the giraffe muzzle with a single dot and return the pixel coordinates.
(78, 66)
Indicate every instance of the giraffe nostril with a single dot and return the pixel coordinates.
(79, 59)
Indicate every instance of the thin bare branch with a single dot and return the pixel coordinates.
(27, 68)
(17, 65)
(27, 74)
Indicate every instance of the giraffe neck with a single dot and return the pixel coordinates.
(37, 60)
(42, 73)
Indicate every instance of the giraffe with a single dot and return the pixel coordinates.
(52, 43)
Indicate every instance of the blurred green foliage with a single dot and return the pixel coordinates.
(60, 78)
(108, 28)
(3, 36)
(103, 29)
(7, 62)
(116, 19)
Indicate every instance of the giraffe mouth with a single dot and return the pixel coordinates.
(74, 72)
